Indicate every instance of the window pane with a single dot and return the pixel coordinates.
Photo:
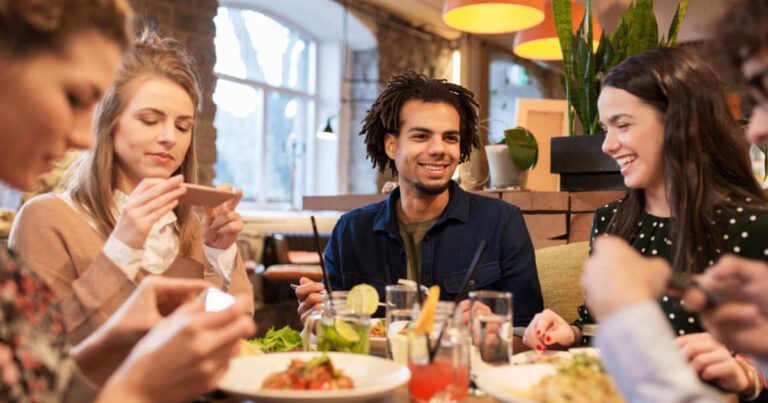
(508, 81)
(239, 122)
(286, 125)
(253, 46)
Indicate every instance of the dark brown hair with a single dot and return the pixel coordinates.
(95, 180)
(705, 153)
(27, 27)
(384, 116)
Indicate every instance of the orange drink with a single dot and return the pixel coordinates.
(428, 379)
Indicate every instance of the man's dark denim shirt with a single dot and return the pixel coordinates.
(366, 247)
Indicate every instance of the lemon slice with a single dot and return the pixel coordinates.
(363, 298)
(426, 320)
(346, 331)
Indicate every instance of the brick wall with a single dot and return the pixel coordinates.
(191, 22)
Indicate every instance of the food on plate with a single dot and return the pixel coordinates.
(363, 299)
(277, 341)
(556, 358)
(581, 380)
(315, 374)
(379, 328)
(247, 349)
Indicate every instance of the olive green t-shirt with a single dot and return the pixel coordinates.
(412, 234)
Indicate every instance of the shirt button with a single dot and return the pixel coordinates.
(471, 282)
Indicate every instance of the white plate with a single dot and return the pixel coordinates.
(373, 377)
(530, 356)
(502, 382)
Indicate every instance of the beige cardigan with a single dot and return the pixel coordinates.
(65, 251)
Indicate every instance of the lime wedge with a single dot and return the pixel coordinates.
(346, 331)
(363, 298)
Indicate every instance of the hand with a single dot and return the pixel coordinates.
(156, 297)
(740, 325)
(617, 276)
(184, 356)
(310, 298)
(478, 309)
(144, 206)
(739, 279)
(713, 362)
(222, 224)
(548, 329)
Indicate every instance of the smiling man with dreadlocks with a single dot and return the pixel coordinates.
(428, 228)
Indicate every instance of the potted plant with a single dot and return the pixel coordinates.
(510, 160)
(578, 159)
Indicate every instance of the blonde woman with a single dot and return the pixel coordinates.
(120, 218)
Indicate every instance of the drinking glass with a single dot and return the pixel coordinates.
(401, 301)
(339, 327)
(491, 319)
(449, 371)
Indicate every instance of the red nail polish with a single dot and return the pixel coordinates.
(539, 348)
(538, 332)
(548, 339)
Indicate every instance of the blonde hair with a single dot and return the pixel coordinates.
(95, 180)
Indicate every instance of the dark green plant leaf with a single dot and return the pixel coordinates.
(643, 32)
(561, 10)
(677, 21)
(523, 148)
(764, 150)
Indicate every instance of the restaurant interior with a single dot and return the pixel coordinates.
(286, 85)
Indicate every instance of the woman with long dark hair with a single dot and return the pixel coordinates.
(692, 194)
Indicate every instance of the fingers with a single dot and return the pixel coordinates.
(227, 222)
(311, 302)
(308, 287)
(151, 188)
(310, 311)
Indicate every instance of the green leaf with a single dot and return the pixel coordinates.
(561, 9)
(764, 150)
(643, 32)
(677, 21)
(523, 148)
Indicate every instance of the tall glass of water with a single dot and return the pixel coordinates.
(491, 318)
(401, 300)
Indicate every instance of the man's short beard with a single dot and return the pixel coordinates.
(432, 190)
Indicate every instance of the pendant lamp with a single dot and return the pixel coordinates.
(541, 42)
(492, 16)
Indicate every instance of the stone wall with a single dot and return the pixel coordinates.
(191, 22)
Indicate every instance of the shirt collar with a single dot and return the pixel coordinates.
(457, 209)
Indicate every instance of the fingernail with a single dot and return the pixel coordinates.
(539, 348)
(538, 332)
(548, 338)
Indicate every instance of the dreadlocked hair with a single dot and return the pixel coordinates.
(384, 115)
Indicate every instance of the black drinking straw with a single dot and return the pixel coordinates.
(322, 263)
(461, 295)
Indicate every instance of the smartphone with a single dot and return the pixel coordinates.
(216, 300)
(206, 196)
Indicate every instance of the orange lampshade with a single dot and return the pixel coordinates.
(492, 16)
(541, 43)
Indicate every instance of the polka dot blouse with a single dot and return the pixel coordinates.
(744, 230)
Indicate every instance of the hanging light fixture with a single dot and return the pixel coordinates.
(541, 42)
(327, 133)
(492, 16)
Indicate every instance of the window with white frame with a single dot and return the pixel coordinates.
(266, 102)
